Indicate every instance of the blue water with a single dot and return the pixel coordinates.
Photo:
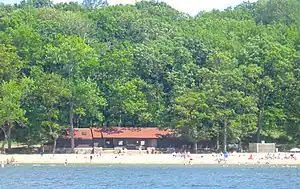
(143, 177)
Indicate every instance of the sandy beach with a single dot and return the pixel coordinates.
(163, 159)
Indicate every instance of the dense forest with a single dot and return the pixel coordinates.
(231, 76)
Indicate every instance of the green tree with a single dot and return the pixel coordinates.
(11, 65)
(37, 3)
(10, 108)
(74, 60)
(85, 100)
(93, 4)
(48, 96)
(189, 113)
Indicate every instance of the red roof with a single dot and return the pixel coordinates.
(80, 133)
(130, 132)
(97, 132)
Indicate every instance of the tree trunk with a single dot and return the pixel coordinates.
(78, 121)
(218, 138)
(43, 148)
(225, 136)
(240, 146)
(195, 147)
(4, 141)
(258, 125)
(120, 119)
(9, 137)
(54, 145)
(71, 117)
(3, 146)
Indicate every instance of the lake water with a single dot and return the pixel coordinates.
(151, 176)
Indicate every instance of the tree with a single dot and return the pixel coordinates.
(268, 65)
(277, 11)
(11, 65)
(74, 61)
(147, 65)
(85, 100)
(52, 22)
(37, 3)
(48, 96)
(10, 108)
(190, 111)
(93, 4)
(71, 6)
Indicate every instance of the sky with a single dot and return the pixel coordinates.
(191, 7)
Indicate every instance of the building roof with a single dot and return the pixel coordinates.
(96, 132)
(130, 132)
(80, 133)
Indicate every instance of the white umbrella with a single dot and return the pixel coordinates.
(295, 150)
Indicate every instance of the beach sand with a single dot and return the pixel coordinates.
(152, 159)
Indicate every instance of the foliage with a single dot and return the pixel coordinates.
(230, 76)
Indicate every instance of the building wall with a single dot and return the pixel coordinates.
(152, 143)
(98, 142)
(171, 143)
(134, 144)
(128, 143)
(262, 147)
(131, 143)
(79, 143)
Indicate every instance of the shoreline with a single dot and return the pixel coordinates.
(163, 164)
(148, 159)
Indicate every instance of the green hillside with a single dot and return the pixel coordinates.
(231, 76)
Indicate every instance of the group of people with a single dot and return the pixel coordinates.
(8, 161)
(276, 156)
(185, 155)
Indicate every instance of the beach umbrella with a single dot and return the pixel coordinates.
(295, 150)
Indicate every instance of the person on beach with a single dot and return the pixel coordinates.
(66, 162)
(226, 155)
(125, 150)
(293, 157)
(91, 158)
(174, 154)
(11, 161)
(100, 151)
(189, 158)
(185, 156)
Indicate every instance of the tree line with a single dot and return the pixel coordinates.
(230, 76)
